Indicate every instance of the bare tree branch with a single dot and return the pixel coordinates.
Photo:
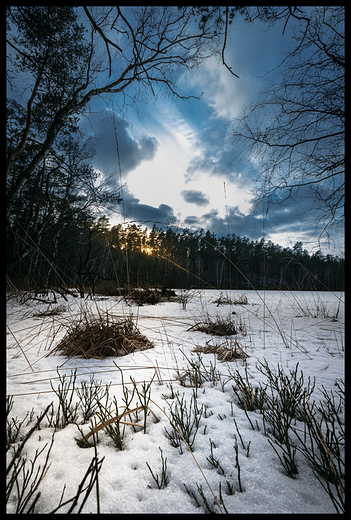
(225, 43)
(103, 36)
(296, 131)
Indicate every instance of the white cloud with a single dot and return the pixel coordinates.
(250, 52)
(162, 179)
(213, 188)
(222, 91)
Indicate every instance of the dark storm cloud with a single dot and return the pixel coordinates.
(278, 219)
(240, 224)
(131, 151)
(143, 213)
(191, 221)
(195, 197)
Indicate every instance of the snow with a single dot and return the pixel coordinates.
(277, 331)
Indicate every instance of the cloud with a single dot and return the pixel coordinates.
(146, 214)
(219, 156)
(251, 51)
(219, 164)
(191, 221)
(195, 197)
(279, 220)
(240, 224)
(226, 95)
(132, 151)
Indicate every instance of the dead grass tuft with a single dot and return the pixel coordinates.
(236, 299)
(100, 338)
(220, 326)
(138, 295)
(145, 296)
(226, 351)
(55, 311)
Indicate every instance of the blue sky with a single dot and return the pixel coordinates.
(178, 163)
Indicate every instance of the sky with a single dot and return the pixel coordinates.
(176, 157)
(177, 162)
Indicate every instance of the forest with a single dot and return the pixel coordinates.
(92, 257)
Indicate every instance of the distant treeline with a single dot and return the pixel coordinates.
(91, 256)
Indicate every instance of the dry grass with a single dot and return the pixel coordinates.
(55, 311)
(100, 338)
(226, 351)
(236, 299)
(138, 295)
(220, 326)
(145, 296)
(84, 443)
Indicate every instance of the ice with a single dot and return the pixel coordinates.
(279, 330)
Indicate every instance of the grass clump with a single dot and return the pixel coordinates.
(246, 396)
(293, 423)
(138, 295)
(226, 351)
(318, 308)
(196, 373)
(55, 311)
(102, 337)
(184, 420)
(67, 412)
(220, 326)
(325, 450)
(225, 299)
(162, 481)
(143, 296)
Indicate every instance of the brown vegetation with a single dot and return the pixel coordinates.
(226, 351)
(100, 338)
(220, 326)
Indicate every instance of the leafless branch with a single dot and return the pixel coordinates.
(103, 36)
(225, 42)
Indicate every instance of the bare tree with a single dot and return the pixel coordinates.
(129, 50)
(295, 132)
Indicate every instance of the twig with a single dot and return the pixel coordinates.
(225, 43)
(116, 418)
(20, 348)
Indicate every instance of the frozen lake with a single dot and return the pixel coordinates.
(281, 328)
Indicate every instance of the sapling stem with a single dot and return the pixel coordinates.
(163, 481)
(237, 465)
(213, 461)
(240, 437)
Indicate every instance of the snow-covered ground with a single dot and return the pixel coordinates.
(279, 329)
